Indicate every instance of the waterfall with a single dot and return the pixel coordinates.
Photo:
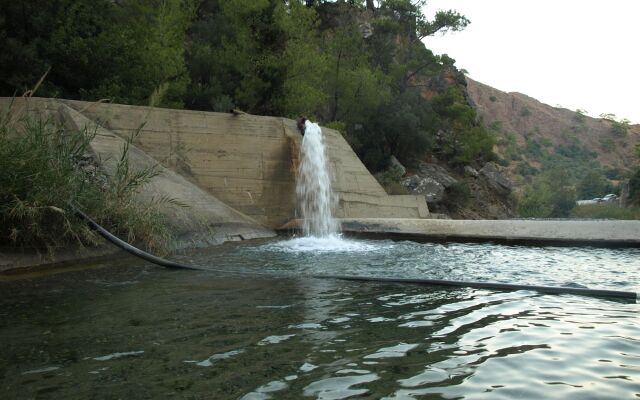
(313, 185)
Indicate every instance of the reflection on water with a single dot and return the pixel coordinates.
(213, 335)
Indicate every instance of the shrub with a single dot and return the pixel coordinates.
(458, 195)
(390, 180)
(606, 211)
(549, 195)
(41, 174)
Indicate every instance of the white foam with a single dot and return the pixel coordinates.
(327, 244)
(119, 355)
(274, 339)
(41, 370)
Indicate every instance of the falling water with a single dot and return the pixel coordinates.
(313, 185)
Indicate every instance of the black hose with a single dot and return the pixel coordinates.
(433, 282)
(489, 285)
(126, 246)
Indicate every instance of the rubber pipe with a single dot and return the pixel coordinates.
(489, 285)
(126, 246)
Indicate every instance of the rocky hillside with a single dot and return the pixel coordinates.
(531, 134)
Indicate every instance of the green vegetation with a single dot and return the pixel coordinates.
(580, 116)
(335, 62)
(605, 211)
(550, 195)
(619, 127)
(458, 194)
(390, 180)
(41, 174)
(125, 50)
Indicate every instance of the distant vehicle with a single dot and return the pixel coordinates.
(597, 200)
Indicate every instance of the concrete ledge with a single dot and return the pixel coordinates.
(353, 205)
(596, 232)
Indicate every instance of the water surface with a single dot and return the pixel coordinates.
(139, 331)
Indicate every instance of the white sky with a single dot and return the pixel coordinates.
(574, 53)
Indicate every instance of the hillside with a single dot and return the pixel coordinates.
(533, 136)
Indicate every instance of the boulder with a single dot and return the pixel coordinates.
(437, 173)
(432, 190)
(495, 179)
(431, 181)
(470, 171)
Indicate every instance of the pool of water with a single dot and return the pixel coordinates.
(256, 326)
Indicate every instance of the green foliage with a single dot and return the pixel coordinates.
(124, 51)
(390, 180)
(458, 194)
(525, 169)
(607, 144)
(40, 176)
(593, 184)
(605, 211)
(261, 56)
(619, 127)
(493, 99)
(534, 150)
(580, 116)
(634, 187)
(387, 91)
(525, 112)
(465, 140)
(613, 173)
(550, 195)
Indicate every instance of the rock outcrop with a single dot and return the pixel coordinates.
(496, 180)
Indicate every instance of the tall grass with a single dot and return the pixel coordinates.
(44, 167)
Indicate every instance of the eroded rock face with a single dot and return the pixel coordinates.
(431, 181)
(495, 179)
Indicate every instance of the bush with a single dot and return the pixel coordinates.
(548, 196)
(458, 195)
(41, 174)
(634, 187)
(525, 112)
(605, 211)
(390, 180)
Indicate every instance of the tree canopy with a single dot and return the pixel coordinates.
(356, 65)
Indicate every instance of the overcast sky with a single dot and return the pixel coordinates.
(574, 53)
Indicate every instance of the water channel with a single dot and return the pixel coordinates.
(255, 326)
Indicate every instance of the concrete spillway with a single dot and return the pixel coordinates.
(236, 173)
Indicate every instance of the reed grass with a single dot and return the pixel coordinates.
(45, 167)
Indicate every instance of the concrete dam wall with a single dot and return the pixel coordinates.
(244, 164)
